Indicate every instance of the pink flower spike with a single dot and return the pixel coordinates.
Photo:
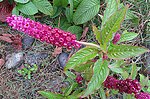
(43, 32)
(142, 95)
(116, 38)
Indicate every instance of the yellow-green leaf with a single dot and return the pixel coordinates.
(101, 72)
(125, 51)
(112, 26)
(81, 56)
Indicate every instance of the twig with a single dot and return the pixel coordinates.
(88, 44)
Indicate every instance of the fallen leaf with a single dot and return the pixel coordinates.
(5, 38)
(7, 35)
(17, 42)
(1, 62)
(57, 51)
(84, 33)
(5, 9)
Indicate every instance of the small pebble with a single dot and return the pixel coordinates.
(35, 58)
(14, 60)
(62, 58)
(27, 42)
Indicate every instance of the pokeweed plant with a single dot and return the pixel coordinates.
(96, 61)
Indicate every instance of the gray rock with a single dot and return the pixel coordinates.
(27, 42)
(35, 58)
(14, 60)
(62, 58)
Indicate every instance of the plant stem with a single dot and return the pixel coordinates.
(88, 44)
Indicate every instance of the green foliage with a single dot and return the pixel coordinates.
(43, 6)
(1, 0)
(145, 83)
(22, 1)
(125, 51)
(28, 8)
(75, 30)
(71, 15)
(69, 11)
(112, 6)
(100, 71)
(131, 16)
(50, 95)
(97, 34)
(86, 10)
(134, 71)
(81, 56)
(102, 93)
(15, 11)
(116, 66)
(112, 26)
(27, 70)
(84, 66)
(63, 3)
(126, 36)
(88, 73)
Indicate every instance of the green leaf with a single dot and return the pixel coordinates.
(131, 16)
(56, 11)
(112, 6)
(115, 67)
(70, 74)
(143, 81)
(101, 72)
(22, 1)
(28, 8)
(81, 56)
(76, 3)
(29, 74)
(15, 11)
(75, 30)
(86, 10)
(84, 66)
(125, 51)
(102, 93)
(125, 75)
(1, 0)
(63, 23)
(126, 36)
(112, 26)
(50, 95)
(72, 97)
(97, 34)
(28, 16)
(44, 6)
(69, 11)
(88, 73)
(134, 71)
(70, 89)
(62, 3)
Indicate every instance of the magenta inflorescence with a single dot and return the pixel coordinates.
(128, 86)
(111, 82)
(116, 38)
(142, 95)
(43, 32)
(79, 79)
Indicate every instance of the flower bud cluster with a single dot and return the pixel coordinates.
(116, 38)
(43, 32)
(79, 79)
(142, 95)
(128, 86)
